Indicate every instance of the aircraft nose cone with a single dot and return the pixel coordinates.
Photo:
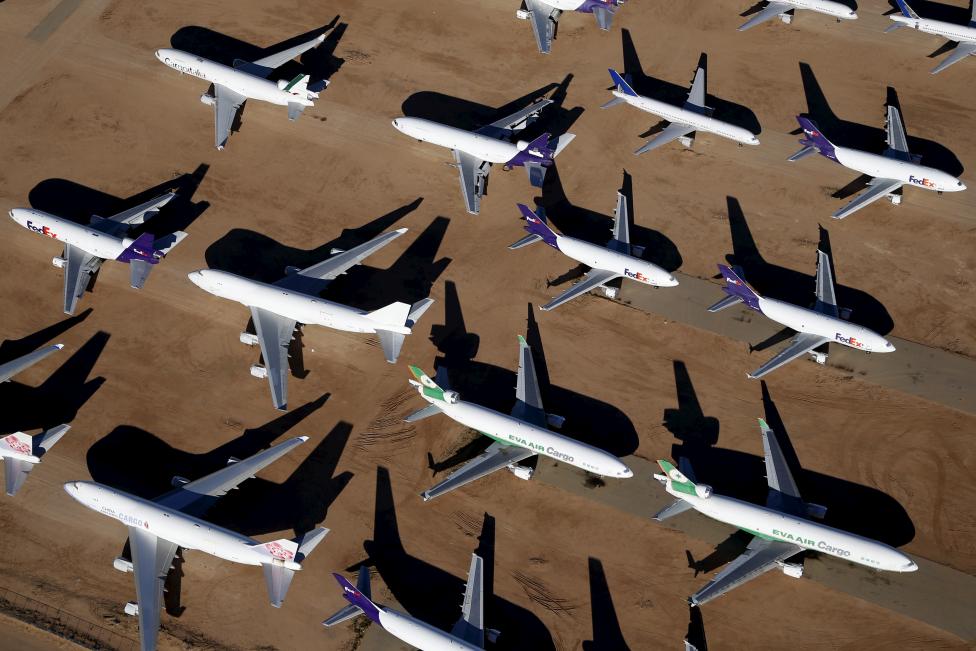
(196, 277)
(71, 488)
(911, 566)
(626, 472)
(889, 347)
(962, 186)
(672, 281)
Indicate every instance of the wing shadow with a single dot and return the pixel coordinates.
(11, 349)
(607, 635)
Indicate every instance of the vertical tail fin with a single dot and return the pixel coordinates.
(358, 598)
(19, 443)
(906, 11)
(535, 223)
(677, 482)
(814, 138)
(737, 288)
(284, 558)
(621, 83)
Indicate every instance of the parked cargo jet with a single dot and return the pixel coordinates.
(158, 528)
(607, 263)
(781, 528)
(518, 436)
(467, 634)
(814, 327)
(243, 81)
(544, 15)
(476, 151)
(889, 171)
(684, 120)
(785, 9)
(963, 35)
(104, 238)
(278, 308)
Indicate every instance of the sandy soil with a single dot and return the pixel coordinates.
(89, 110)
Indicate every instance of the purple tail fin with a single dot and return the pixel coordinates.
(536, 224)
(537, 151)
(814, 138)
(358, 599)
(141, 249)
(735, 286)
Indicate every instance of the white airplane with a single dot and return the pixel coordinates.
(157, 528)
(245, 80)
(889, 171)
(475, 152)
(781, 528)
(785, 8)
(277, 308)
(615, 260)
(104, 238)
(963, 35)
(814, 327)
(516, 437)
(684, 120)
(467, 634)
(544, 15)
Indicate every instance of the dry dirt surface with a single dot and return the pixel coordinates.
(156, 384)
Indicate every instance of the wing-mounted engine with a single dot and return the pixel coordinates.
(208, 99)
(259, 371)
(122, 564)
(452, 397)
(703, 491)
(520, 471)
(59, 262)
(249, 338)
(794, 570)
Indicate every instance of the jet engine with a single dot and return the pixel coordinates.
(132, 608)
(522, 472)
(122, 564)
(451, 397)
(792, 569)
(259, 371)
(58, 262)
(249, 339)
(208, 99)
(703, 491)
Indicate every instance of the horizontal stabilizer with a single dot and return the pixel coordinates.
(525, 241)
(417, 310)
(391, 342)
(352, 610)
(803, 153)
(728, 301)
(46, 441)
(420, 414)
(613, 102)
(671, 510)
(561, 143)
(278, 579)
(892, 27)
(309, 542)
(13, 367)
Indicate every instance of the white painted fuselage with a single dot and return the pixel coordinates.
(835, 329)
(836, 9)
(951, 31)
(480, 146)
(600, 257)
(172, 525)
(882, 167)
(700, 122)
(301, 307)
(93, 242)
(420, 634)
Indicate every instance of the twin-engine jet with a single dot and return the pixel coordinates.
(963, 35)
(158, 528)
(781, 529)
(814, 327)
(617, 259)
(104, 238)
(233, 85)
(278, 308)
(544, 15)
(785, 9)
(684, 120)
(476, 151)
(889, 171)
(516, 436)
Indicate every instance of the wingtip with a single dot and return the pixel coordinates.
(59, 346)
(763, 424)
(302, 438)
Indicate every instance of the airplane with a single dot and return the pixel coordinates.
(468, 633)
(785, 9)
(814, 327)
(159, 527)
(104, 238)
(544, 15)
(232, 86)
(889, 171)
(516, 437)
(781, 529)
(607, 263)
(684, 120)
(277, 308)
(476, 151)
(963, 35)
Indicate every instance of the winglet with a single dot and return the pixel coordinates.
(621, 83)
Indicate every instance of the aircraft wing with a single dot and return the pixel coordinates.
(471, 626)
(79, 266)
(621, 226)
(136, 215)
(594, 279)
(528, 398)
(517, 121)
(496, 457)
(152, 558)
(195, 497)
(226, 104)
(826, 296)
(275, 60)
(316, 277)
(760, 556)
(15, 473)
(543, 19)
(895, 136)
(783, 493)
(696, 96)
(960, 52)
(672, 132)
(802, 343)
(274, 335)
(604, 17)
(15, 366)
(878, 188)
(472, 172)
(768, 12)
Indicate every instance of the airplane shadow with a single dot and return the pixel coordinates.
(794, 286)
(696, 630)
(431, 594)
(742, 475)
(597, 227)
(11, 349)
(936, 11)
(868, 138)
(57, 399)
(607, 635)
(643, 84)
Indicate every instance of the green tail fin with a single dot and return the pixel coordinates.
(429, 387)
(676, 478)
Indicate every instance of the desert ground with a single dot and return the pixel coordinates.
(155, 382)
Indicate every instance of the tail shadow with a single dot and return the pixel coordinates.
(607, 635)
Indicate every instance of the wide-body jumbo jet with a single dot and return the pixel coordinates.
(159, 528)
(781, 529)
(785, 9)
(544, 15)
(963, 35)
(104, 238)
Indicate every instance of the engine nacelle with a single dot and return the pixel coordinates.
(818, 511)
(132, 608)
(122, 564)
(792, 569)
(178, 481)
(555, 420)
(249, 339)
(610, 292)
(58, 262)
(522, 472)
(703, 491)
(521, 14)
(451, 397)
(207, 99)
(259, 371)
(818, 357)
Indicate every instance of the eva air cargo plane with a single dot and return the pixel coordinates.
(781, 528)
